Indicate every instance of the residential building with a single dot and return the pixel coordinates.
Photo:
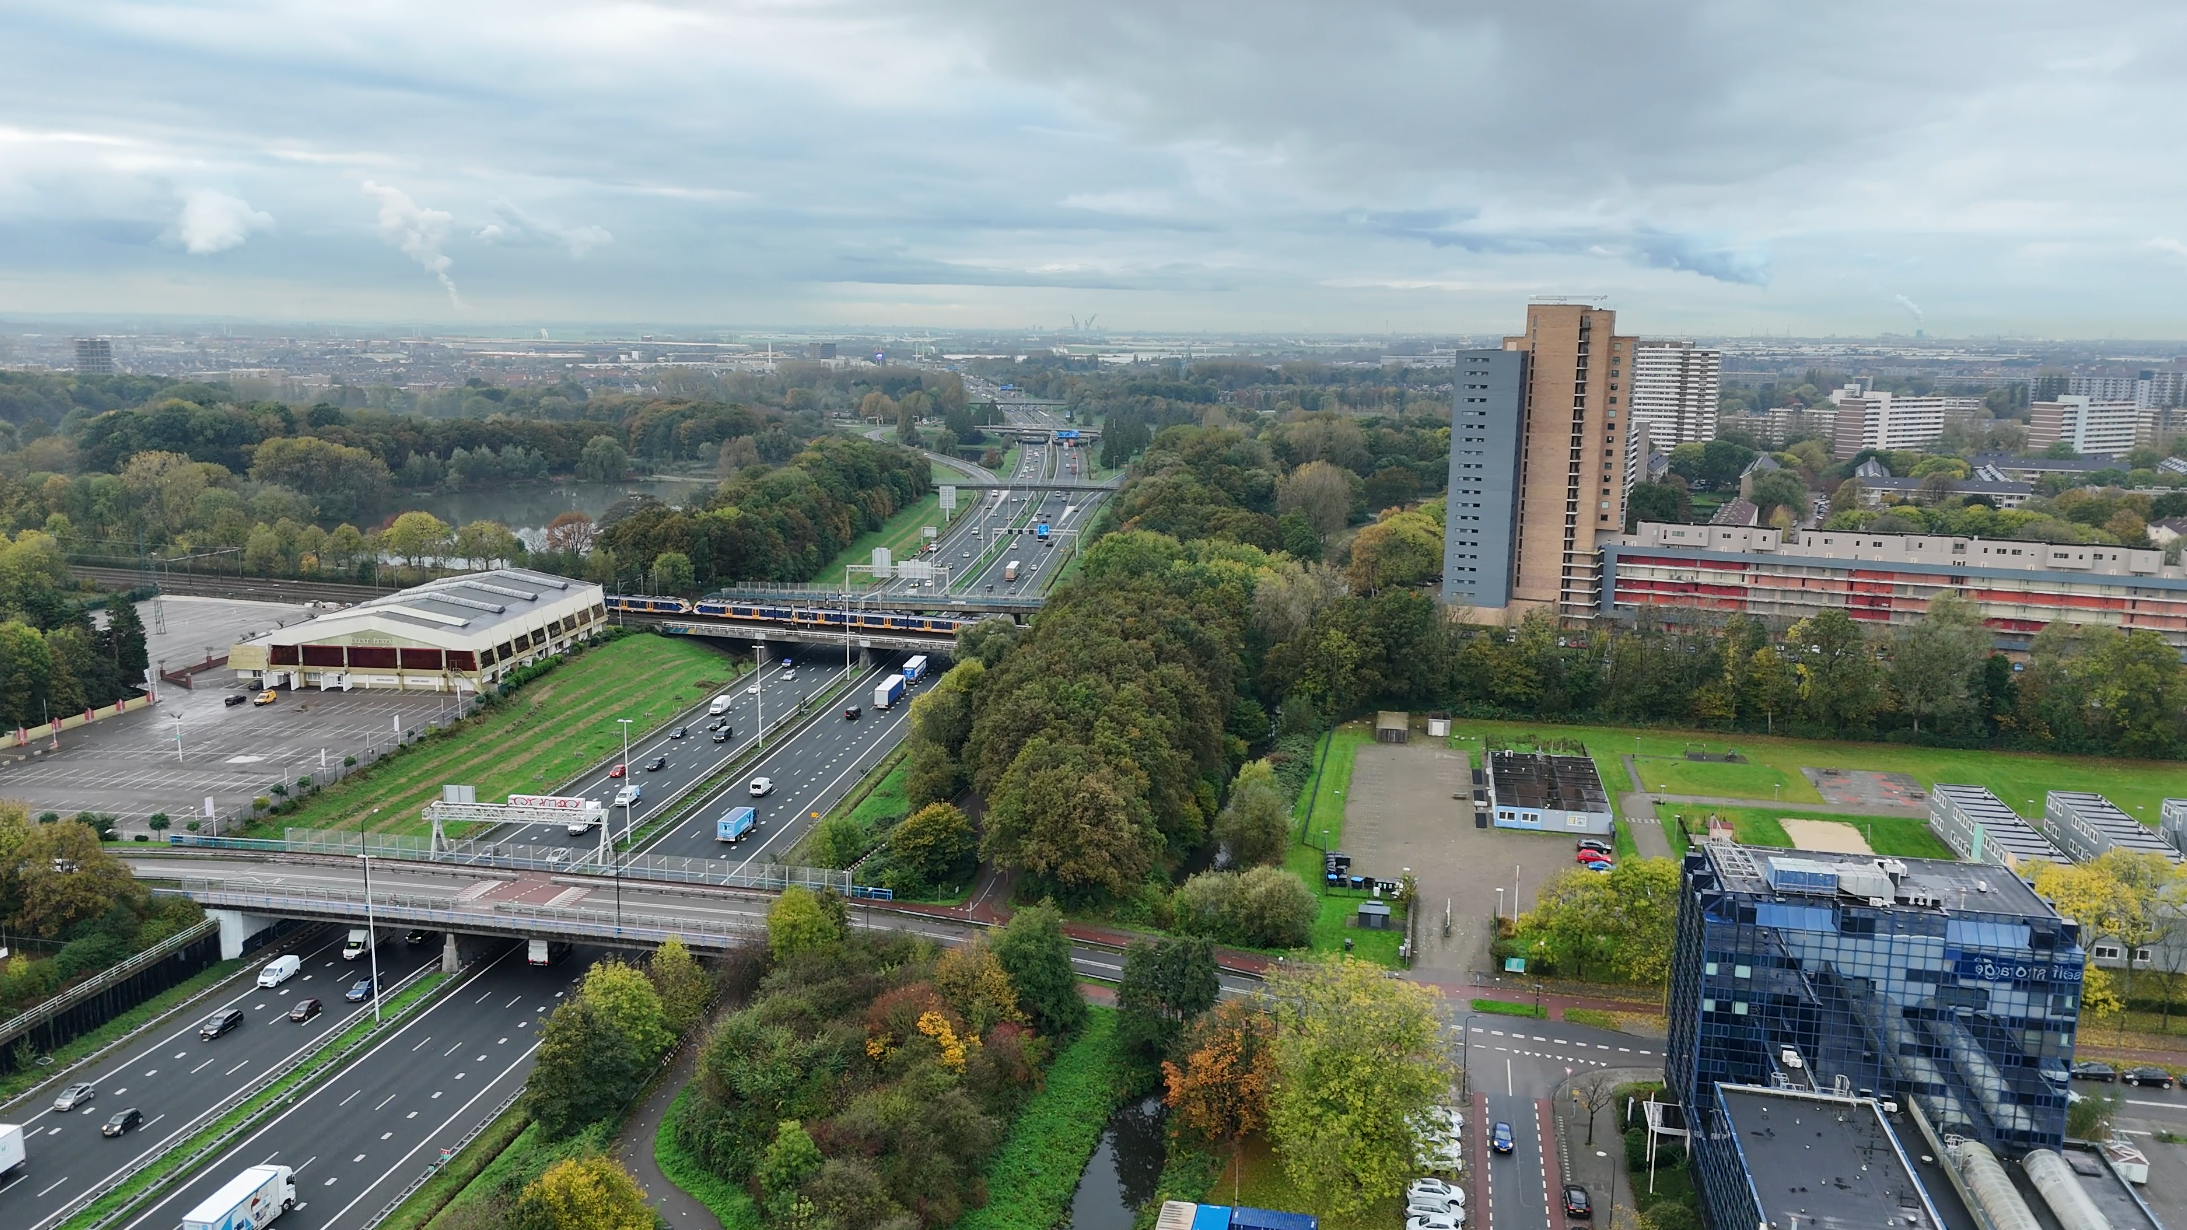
(2172, 823)
(2002, 492)
(94, 356)
(2168, 531)
(460, 633)
(2029, 469)
(1571, 456)
(1890, 421)
(1481, 521)
(2088, 826)
(1981, 829)
(820, 350)
(2088, 425)
(1674, 389)
(1950, 986)
(2018, 587)
(1546, 792)
(1736, 512)
(2148, 389)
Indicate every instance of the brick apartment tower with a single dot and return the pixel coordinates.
(1572, 463)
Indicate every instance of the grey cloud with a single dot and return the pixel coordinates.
(1645, 247)
(517, 228)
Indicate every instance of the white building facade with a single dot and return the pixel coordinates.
(2091, 426)
(1676, 386)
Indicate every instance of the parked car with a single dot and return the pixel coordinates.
(1576, 1203)
(1431, 1189)
(266, 697)
(122, 1121)
(656, 764)
(236, 698)
(761, 787)
(223, 1021)
(1590, 855)
(619, 770)
(2147, 1077)
(74, 1096)
(1499, 1137)
(1597, 843)
(1605, 866)
(305, 1009)
(1431, 1221)
(2092, 1070)
(359, 991)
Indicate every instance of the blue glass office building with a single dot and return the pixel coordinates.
(1950, 986)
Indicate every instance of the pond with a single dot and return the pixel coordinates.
(1124, 1169)
(527, 507)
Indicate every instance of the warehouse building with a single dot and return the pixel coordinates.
(1533, 790)
(462, 633)
(1981, 829)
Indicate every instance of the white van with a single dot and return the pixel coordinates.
(719, 707)
(280, 970)
(358, 944)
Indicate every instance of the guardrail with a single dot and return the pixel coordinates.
(30, 1018)
(447, 1155)
(503, 917)
(183, 1167)
(470, 852)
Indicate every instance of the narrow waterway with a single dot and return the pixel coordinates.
(527, 507)
(1124, 1169)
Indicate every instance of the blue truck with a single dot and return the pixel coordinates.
(733, 826)
(1184, 1215)
(1041, 531)
(915, 668)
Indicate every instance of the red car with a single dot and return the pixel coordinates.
(1591, 856)
(618, 770)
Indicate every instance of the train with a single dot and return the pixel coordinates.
(879, 621)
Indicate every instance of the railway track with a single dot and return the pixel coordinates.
(207, 585)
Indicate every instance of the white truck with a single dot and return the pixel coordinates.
(887, 692)
(11, 1148)
(358, 944)
(720, 706)
(249, 1201)
(546, 952)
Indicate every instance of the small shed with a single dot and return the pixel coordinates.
(1374, 916)
(1392, 726)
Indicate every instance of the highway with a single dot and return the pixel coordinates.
(357, 1139)
(172, 1077)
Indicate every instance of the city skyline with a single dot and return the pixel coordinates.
(954, 166)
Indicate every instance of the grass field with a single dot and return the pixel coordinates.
(1897, 836)
(1322, 810)
(2018, 778)
(1256, 1180)
(900, 534)
(550, 730)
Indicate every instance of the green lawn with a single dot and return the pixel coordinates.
(2018, 778)
(900, 534)
(1257, 1180)
(533, 742)
(1898, 836)
(1324, 813)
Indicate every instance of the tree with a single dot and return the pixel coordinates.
(1594, 1092)
(2121, 895)
(971, 979)
(583, 1193)
(571, 531)
(586, 1070)
(1037, 955)
(341, 481)
(683, 985)
(1254, 826)
(672, 573)
(67, 879)
(627, 997)
(1358, 1057)
(416, 537)
(796, 923)
(933, 845)
(2141, 689)
(1779, 489)
(1164, 986)
(1321, 493)
(1261, 907)
(1934, 663)
(1059, 814)
(1220, 1090)
(1836, 668)
(483, 542)
(123, 642)
(1664, 501)
(602, 461)
(1401, 550)
(791, 1158)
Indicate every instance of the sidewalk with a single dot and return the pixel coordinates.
(1598, 1167)
(635, 1146)
(1553, 1005)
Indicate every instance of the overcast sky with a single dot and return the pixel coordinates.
(1412, 165)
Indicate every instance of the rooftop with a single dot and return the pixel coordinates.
(2001, 826)
(472, 603)
(1946, 886)
(1540, 780)
(1825, 1163)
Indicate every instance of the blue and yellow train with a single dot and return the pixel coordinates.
(818, 617)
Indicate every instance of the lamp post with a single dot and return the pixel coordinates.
(372, 928)
(1465, 1053)
(626, 775)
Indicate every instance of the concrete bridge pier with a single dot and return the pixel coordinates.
(238, 928)
(457, 949)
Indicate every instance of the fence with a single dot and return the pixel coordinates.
(110, 992)
(504, 917)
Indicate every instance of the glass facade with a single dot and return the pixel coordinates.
(1960, 990)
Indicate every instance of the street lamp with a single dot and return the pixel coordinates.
(1537, 1001)
(372, 927)
(1499, 903)
(625, 792)
(1465, 1059)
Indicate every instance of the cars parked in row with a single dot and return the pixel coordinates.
(2147, 1078)
(2094, 1070)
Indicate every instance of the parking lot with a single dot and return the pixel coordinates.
(171, 756)
(1402, 814)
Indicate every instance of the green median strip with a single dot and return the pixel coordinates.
(1497, 1007)
(190, 1155)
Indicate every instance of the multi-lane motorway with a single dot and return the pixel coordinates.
(173, 1077)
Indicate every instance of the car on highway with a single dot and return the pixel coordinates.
(223, 1021)
(679, 732)
(619, 770)
(724, 735)
(853, 713)
(74, 1096)
(121, 1121)
(305, 1009)
(235, 698)
(2092, 1070)
(790, 675)
(628, 795)
(1576, 1203)
(359, 991)
(1499, 1137)
(280, 970)
(415, 936)
(656, 764)
(762, 787)
(2147, 1077)
(558, 856)
(717, 723)
(266, 697)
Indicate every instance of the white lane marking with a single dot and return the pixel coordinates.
(345, 1101)
(201, 1067)
(384, 1102)
(57, 1183)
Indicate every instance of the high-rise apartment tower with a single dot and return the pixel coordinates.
(1480, 520)
(1571, 454)
(1674, 390)
(94, 356)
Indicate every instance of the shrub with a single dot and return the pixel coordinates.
(1265, 907)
